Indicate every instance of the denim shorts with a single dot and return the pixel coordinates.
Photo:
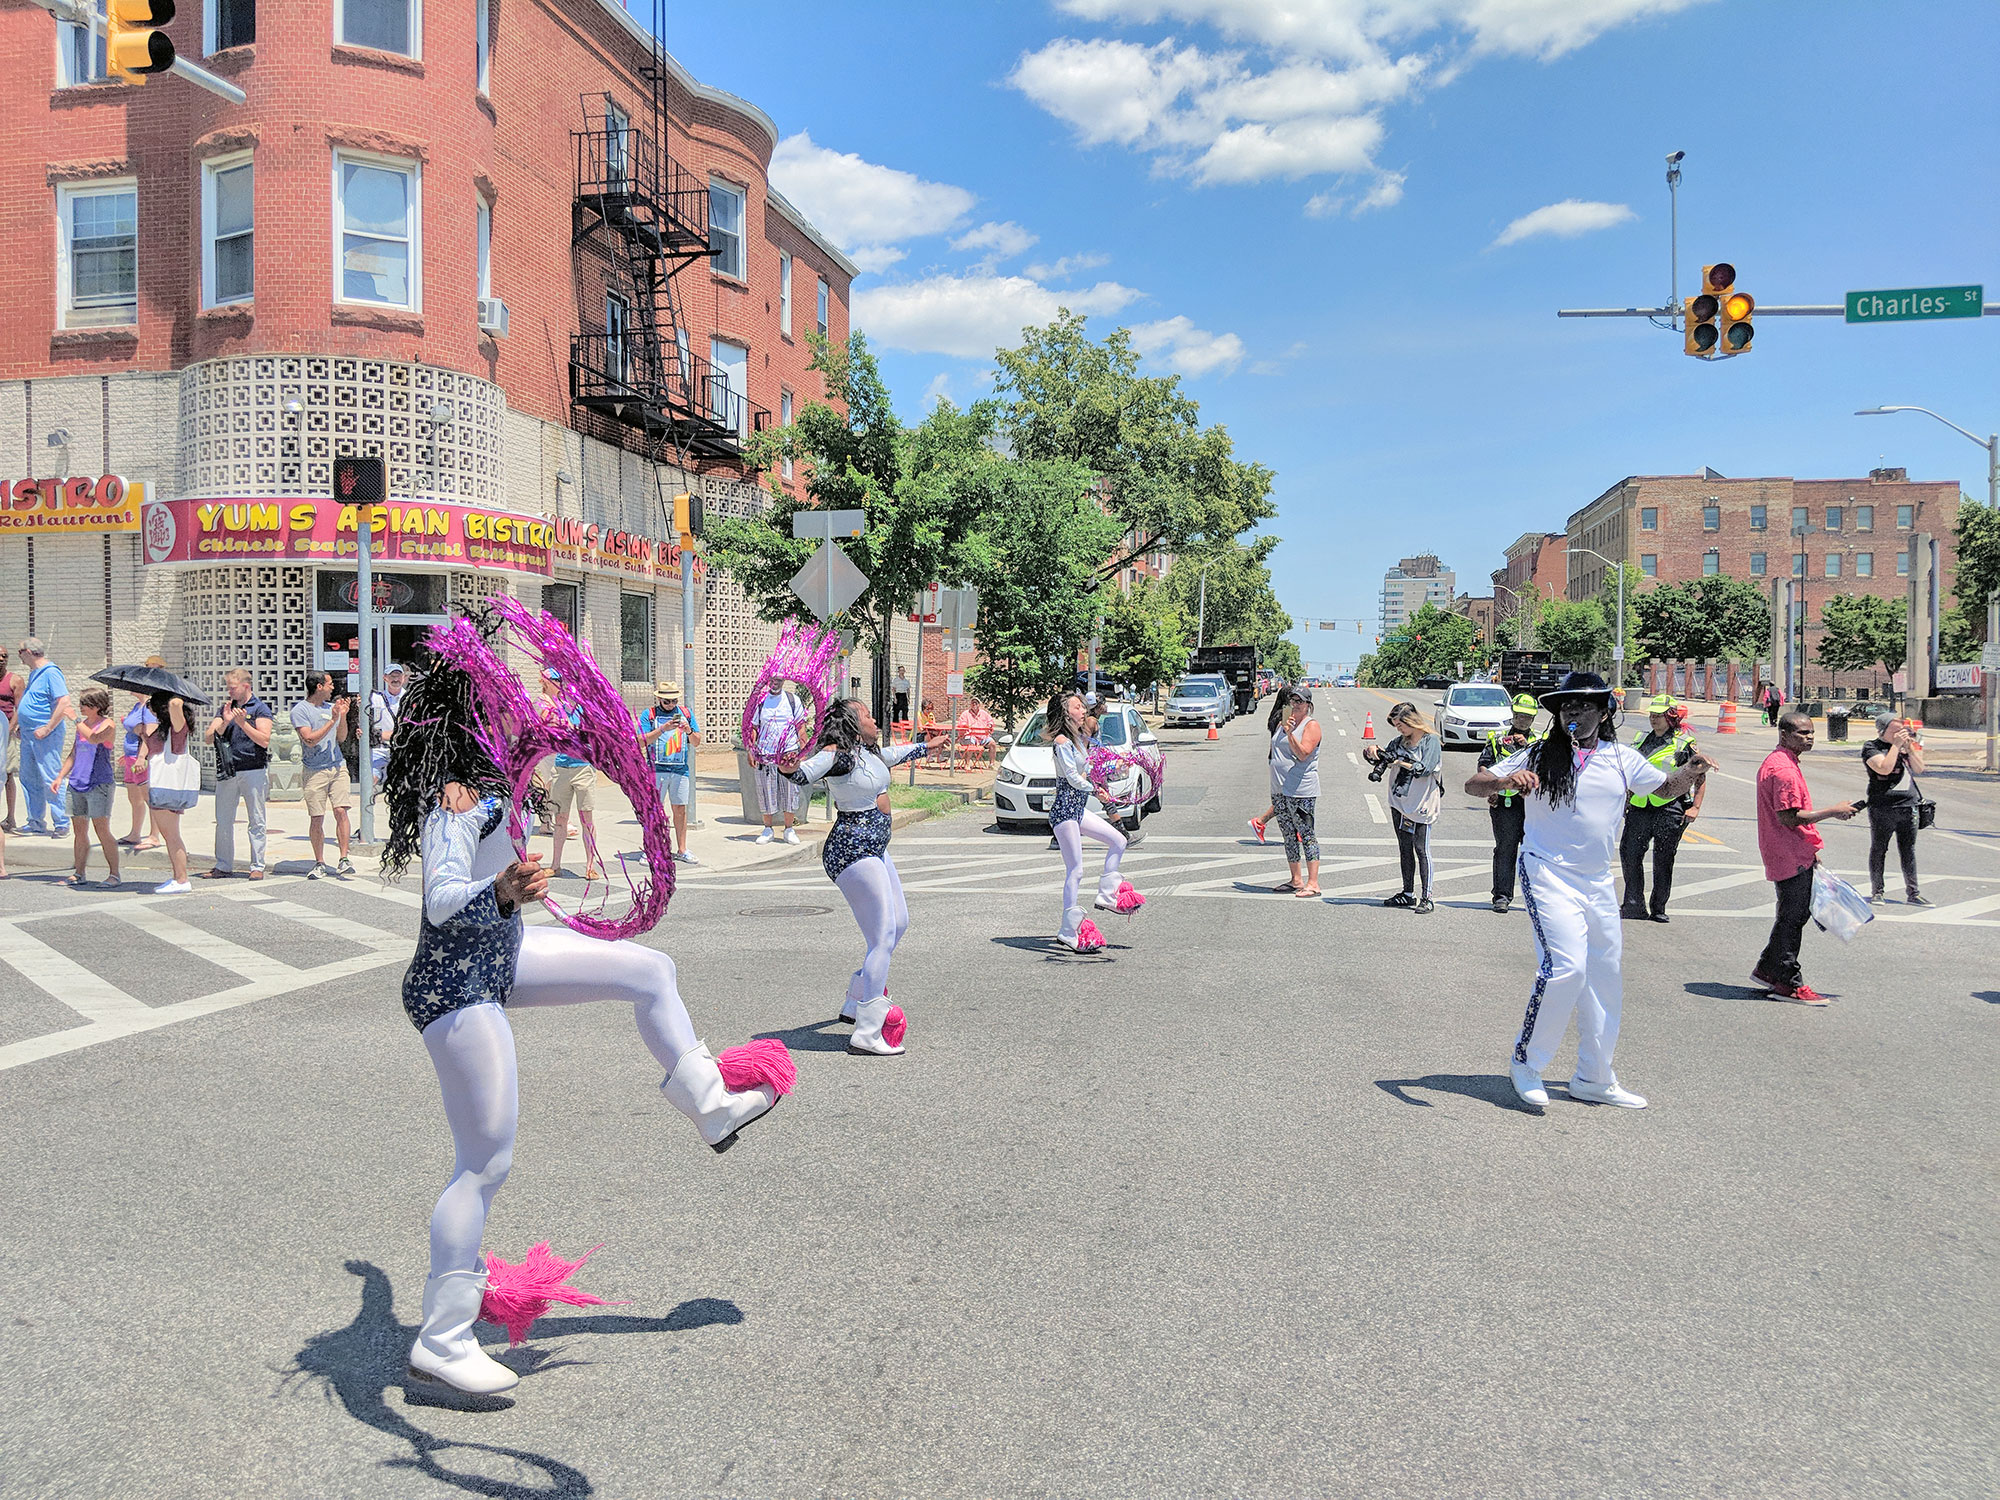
(674, 786)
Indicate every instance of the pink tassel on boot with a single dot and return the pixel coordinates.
(764, 1063)
(894, 1024)
(1088, 938)
(1129, 900)
(517, 1295)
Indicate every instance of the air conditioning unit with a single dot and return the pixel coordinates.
(493, 317)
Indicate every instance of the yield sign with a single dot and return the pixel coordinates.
(829, 582)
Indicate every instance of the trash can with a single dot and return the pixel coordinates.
(746, 784)
(1836, 723)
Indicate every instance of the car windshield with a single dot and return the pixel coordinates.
(1111, 729)
(1032, 735)
(1480, 697)
(1196, 690)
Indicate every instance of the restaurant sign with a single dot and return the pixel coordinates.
(587, 546)
(69, 507)
(284, 530)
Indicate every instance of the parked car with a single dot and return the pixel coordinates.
(1198, 700)
(1027, 779)
(1345, 679)
(1469, 709)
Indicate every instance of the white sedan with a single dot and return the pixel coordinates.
(1469, 709)
(1027, 779)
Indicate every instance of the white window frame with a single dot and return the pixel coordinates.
(617, 144)
(715, 367)
(416, 52)
(67, 193)
(66, 32)
(1706, 570)
(483, 229)
(619, 337)
(1903, 524)
(1864, 565)
(211, 28)
(210, 170)
(482, 46)
(786, 412)
(414, 169)
(1864, 518)
(742, 271)
(785, 295)
(1832, 569)
(1649, 518)
(825, 309)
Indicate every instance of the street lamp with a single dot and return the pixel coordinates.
(1618, 650)
(1990, 444)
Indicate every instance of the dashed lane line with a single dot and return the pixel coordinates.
(1375, 812)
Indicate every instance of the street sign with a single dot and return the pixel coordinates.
(829, 582)
(1916, 304)
(954, 684)
(928, 603)
(1958, 677)
(825, 525)
(1989, 657)
(959, 609)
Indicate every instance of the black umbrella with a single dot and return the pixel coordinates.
(149, 680)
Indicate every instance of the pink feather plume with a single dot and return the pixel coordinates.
(1088, 938)
(1129, 899)
(517, 1295)
(805, 655)
(894, 1025)
(764, 1063)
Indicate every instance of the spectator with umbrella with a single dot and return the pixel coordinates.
(173, 764)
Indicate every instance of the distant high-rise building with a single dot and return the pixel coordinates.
(1413, 583)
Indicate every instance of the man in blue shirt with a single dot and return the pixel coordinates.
(41, 719)
(671, 735)
(574, 785)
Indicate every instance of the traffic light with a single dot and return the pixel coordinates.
(360, 482)
(1737, 307)
(133, 44)
(1700, 333)
(688, 520)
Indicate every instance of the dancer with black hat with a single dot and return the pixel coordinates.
(1578, 779)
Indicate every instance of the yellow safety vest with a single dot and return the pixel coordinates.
(1664, 758)
(1493, 738)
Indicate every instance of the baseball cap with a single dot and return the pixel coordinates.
(1662, 703)
(393, 668)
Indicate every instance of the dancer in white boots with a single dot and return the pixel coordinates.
(447, 802)
(1072, 821)
(856, 858)
(1578, 779)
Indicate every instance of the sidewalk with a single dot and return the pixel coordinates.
(724, 841)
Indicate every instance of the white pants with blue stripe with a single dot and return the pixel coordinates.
(1581, 946)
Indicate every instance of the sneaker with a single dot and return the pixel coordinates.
(1876, 898)
(1403, 898)
(1426, 906)
(1660, 916)
(791, 835)
(766, 835)
(1798, 994)
(173, 888)
(1608, 1092)
(682, 857)
(1502, 903)
(1913, 899)
(345, 867)
(1527, 1085)
(316, 872)
(1257, 827)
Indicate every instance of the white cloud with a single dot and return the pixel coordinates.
(1324, 205)
(1387, 193)
(1002, 241)
(939, 389)
(875, 257)
(864, 207)
(1282, 364)
(1068, 265)
(1565, 220)
(970, 316)
(1180, 346)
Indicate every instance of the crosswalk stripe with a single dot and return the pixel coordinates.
(188, 938)
(1375, 812)
(66, 980)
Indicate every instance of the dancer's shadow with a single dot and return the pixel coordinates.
(360, 1363)
(818, 1037)
(1488, 1088)
(1055, 952)
(1991, 997)
(1710, 989)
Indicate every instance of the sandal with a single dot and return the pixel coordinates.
(1287, 889)
(216, 875)
(1308, 892)
(74, 882)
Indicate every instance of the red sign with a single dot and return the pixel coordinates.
(273, 530)
(603, 549)
(74, 505)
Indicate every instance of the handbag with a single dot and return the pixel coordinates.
(1926, 809)
(171, 772)
(1838, 907)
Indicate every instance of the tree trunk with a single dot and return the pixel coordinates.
(882, 668)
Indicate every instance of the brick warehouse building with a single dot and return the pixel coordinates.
(520, 253)
(1676, 527)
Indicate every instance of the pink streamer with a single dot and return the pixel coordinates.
(1106, 764)
(805, 655)
(519, 735)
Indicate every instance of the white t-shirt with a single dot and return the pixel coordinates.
(1583, 834)
(774, 719)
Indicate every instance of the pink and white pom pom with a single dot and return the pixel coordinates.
(805, 655)
(1107, 764)
(1129, 899)
(1088, 938)
(765, 1063)
(517, 1295)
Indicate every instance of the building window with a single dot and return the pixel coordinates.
(482, 44)
(1711, 518)
(100, 254)
(1864, 565)
(685, 350)
(1906, 517)
(824, 299)
(1711, 563)
(385, 25)
(785, 420)
(375, 204)
(616, 317)
(559, 599)
(617, 148)
(227, 235)
(1756, 565)
(79, 53)
(484, 219)
(1758, 518)
(1833, 565)
(1798, 565)
(1902, 565)
(635, 637)
(1649, 564)
(1649, 518)
(728, 401)
(785, 293)
(228, 23)
(1864, 518)
(1800, 520)
(725, 228)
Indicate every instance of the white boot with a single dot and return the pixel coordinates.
(696, 1089)
(447, 1352)
(868, 1038)
(1072, 924)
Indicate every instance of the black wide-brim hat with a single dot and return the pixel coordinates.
(1579, 685)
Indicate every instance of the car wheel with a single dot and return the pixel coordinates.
(1152, 806)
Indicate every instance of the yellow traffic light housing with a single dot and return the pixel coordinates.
(1737, 329)
(133, 45)
(1700, 333)
(688, 519)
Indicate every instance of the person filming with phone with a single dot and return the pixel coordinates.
(1893, 800)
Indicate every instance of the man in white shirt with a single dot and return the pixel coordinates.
(775, 721)
(387, 703)
(1578, 779)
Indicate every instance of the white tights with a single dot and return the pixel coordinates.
(1070, 834)
(473, 1051)
(875, 894)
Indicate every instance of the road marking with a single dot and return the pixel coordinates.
(96, 1000)
(1375, 812)
(1953, 913)
(246, 963)
(1353, 759)
(1343, 734)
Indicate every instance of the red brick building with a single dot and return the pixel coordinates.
(1535, 566)
(517, 251)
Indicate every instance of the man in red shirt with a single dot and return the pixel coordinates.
(1790, 846)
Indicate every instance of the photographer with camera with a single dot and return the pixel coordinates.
(1893, 802)
(1415, 798)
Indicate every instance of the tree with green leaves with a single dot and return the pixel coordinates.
(1858, 632)
(1431, 643)
(1146, 636)
(1573, 631)
(1978, 570)
(1607, 606)
(1241, 607)
(1703, 619)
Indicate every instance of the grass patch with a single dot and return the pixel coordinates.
(930, 798)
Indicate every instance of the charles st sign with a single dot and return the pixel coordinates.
(1916, 304)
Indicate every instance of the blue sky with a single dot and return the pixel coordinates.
(1299, 205)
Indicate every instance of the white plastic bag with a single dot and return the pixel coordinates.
(1838, 907)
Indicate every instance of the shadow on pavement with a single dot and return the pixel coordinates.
(1709, 989)
(1991, 997)
(363, 1361)
(1052, 950)
(813, 1038)
(1488, 1088)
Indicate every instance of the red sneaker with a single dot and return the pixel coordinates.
(1257, 827)
(1799, 994)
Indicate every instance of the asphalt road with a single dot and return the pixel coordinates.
(1244, 1207)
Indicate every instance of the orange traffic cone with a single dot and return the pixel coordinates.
(1368, 727)
(1212, 732)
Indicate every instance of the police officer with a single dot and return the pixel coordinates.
(1507, 810)
(1655, 820)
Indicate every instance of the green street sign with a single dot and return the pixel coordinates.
(1916, 304)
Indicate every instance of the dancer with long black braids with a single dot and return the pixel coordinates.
(448, 805)
(1578, 779)
(1072, 821)
(856, 858)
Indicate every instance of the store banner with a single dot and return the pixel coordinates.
(586, 546)
(232, 530)
(69, 507)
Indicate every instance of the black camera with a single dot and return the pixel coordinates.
(1387, 760)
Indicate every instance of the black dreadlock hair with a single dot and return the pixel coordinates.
(1553, 757)
(434, 743)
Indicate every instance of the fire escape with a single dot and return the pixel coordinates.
(639, 220)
